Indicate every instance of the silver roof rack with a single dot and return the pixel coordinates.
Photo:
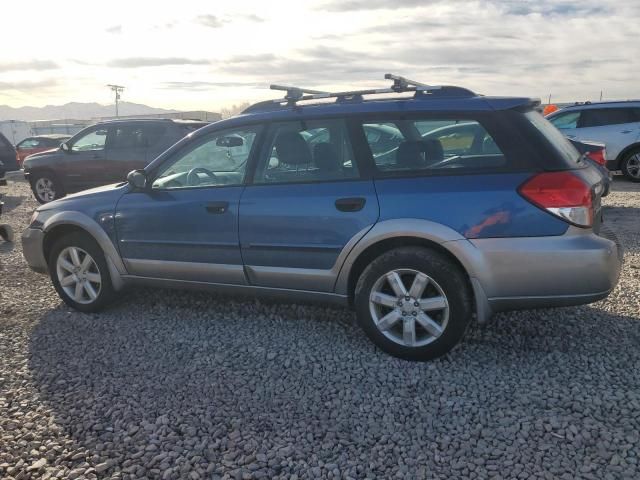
(400, 85)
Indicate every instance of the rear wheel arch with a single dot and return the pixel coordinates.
(379, 248)
(624, 152)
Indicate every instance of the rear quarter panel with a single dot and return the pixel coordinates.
(476, 206)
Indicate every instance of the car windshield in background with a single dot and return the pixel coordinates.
(554, 136)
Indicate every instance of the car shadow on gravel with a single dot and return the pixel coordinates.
(189, 372)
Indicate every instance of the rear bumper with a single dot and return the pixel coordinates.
(32, 249)
(538, 272)
(613, 165)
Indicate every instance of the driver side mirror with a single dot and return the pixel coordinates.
(137, 179)
(64, 147)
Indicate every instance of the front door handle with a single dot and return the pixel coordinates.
(217, 207)
(350, 204)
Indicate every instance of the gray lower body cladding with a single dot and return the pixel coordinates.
(506, 273)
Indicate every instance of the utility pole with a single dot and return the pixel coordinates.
(117, 89)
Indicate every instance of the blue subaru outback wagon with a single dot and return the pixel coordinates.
(421, 207)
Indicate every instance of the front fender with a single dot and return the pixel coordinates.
(78, 219)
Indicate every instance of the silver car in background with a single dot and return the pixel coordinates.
(616, 124)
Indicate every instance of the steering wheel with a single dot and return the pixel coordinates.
(194, 179)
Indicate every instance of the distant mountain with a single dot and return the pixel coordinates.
(75, 110)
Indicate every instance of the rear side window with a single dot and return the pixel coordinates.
(432, 145)
(126, 137)
(598, 117)
(311, 151)
(557, 140)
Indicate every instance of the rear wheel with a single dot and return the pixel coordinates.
(80, 274)
(46, 187)
(414, 303)
(630, 165)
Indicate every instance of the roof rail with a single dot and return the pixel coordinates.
(400, 85)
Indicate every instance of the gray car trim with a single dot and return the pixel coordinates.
(285, 294)
(187, 271)
(283, 277)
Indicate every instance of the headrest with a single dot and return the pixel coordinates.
(326, 157)
(292, 149)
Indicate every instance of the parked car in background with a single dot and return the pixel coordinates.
(8, 158)
(102, 154)
(293, 199)
(37, 144)
(596, 153)
(616, 124)
(6, 232)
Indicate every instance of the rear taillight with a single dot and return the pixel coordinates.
(598, 156)
(562, 194)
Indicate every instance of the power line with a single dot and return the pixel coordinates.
(117, 89)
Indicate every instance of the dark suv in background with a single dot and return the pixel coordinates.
(101, 154)
(8, 158)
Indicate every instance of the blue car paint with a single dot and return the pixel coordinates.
(476, 206)
(175, 225)
(298, 225)
(99, 204)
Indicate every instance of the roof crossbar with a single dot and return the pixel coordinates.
(295, 93)
(400, 85)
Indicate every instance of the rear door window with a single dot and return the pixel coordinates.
(434, 145)
(126, 137)
(599, 117)
(311, 151)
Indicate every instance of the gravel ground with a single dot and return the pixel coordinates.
(188, 385)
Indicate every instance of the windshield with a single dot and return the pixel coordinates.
(554, 136)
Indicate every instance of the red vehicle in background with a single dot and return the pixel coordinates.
(37, 144)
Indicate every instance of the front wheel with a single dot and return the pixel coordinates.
(630, 165)
(46, 188)
(79, 273)
(414, 303)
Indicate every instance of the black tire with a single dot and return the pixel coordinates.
(57, 186)
(449, 279)
(105, 294)
(632, 172)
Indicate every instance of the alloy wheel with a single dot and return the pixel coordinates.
(413, 316)
(45, 189)
(633, 165)
(79, 275)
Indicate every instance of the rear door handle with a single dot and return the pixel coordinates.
(626, 131)
(217, 207)
(350, 204)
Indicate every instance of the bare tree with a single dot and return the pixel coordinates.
(234, 109)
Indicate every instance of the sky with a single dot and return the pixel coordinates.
(206, 55)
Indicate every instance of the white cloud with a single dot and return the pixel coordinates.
(196, 56)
